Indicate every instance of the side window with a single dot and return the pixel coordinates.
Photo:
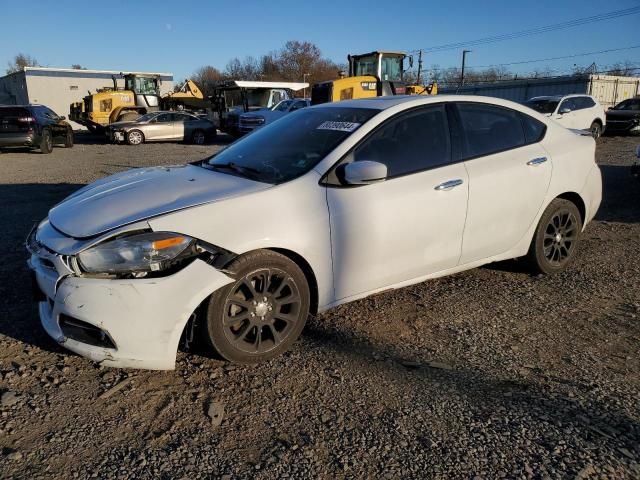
(489, 129)
(50, 113)
(534, 130)
(410, 143)
(298, 105)
(588, 102)
(164, 118)
(569, 103)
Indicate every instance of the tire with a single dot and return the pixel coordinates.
(555, 241)
(262, 313)
(596, 129)
(135, 137)
(198, 137)
(68, 140)
(46, 142)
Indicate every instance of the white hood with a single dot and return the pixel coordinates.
(139, 194)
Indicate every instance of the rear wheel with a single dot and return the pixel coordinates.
(596, 129)
(46, 142)
(262, 313)
(135, 137)
(68, 141)
(555, 241)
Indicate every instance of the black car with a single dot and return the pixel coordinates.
(33, 126)
(624, 117)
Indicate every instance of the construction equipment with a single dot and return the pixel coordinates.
(141, 94)
(373, 74)
(187, 97)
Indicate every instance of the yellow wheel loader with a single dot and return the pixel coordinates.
(141, 94)
(372, 74)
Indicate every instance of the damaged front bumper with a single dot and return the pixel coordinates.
(133, 323)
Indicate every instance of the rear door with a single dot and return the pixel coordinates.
(509, 174)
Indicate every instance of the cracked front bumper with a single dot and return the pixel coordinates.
(143, 317)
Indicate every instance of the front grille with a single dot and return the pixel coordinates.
(251, 121)
(85, 332)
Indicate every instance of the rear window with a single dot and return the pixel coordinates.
(542, 105)
(533, 129)
(12, 112)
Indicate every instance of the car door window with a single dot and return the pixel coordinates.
(413, 142)
(489, 129)
(534, 130)
(164, 118)
(569, 103)
(297, 106)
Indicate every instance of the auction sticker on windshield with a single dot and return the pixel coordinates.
(339, 126)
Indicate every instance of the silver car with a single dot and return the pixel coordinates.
(163, 126)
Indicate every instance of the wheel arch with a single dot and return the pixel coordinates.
(308, 273)
(577, 200)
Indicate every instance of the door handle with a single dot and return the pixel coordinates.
(448, 185)
(537, 161)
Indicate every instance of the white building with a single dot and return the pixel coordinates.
(58, 88)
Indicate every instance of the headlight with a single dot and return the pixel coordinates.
(147, 252)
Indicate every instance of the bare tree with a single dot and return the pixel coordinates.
(20, 61)
(77, 66)
(206, 78)
(622, 69)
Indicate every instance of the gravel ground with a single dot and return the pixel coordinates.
(490, 373)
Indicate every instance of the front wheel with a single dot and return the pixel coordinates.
(135, 137)
(596, 130)
(68, 140)
(555, 241)
(262, 313)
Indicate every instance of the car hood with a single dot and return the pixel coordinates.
(623, 114)
(139, 194)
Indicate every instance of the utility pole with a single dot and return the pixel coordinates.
(304, 76)
(464, 59)
(419, 67)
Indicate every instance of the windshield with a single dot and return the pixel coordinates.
(392, 69)
(628, 105)
(258, 98)
(367, 65)
(304, 138)
(283, 106)
(543, 105)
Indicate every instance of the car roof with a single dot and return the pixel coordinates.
(383, 103)
(560, 97)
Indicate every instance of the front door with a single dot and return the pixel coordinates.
(409, 225)
(509, 174)
(162, 127)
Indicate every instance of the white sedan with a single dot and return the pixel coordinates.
(580, 112)
(354, 198)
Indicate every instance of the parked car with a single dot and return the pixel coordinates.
(581, 112)
(354, 198)
(163, 126)
(624, 117)
(253, 120)
(33, 126)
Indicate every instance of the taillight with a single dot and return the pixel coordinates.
(26, 119)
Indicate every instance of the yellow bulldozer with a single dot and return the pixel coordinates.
(141, 94)
(373, 74)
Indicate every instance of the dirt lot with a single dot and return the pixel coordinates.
(490, 373)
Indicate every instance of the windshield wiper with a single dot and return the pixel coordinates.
(236, 168)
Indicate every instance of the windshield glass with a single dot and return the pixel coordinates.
(543, 105)
(142, 85)
(258, 98)
(392, 69)
(367, 65)
(283, 106)
(304, 138)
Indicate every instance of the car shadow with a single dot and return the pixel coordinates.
(620, 193)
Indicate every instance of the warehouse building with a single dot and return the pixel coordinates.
(609, 90)
(58, 88)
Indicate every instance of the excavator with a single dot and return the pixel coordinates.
(187, 97)
(373, 74)
(141, 94)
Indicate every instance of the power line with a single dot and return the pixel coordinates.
(522, 62)
(533, 31)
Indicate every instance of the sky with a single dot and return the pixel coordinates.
(179, 37)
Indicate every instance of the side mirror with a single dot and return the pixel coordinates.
(364, 172)
(564, 110)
